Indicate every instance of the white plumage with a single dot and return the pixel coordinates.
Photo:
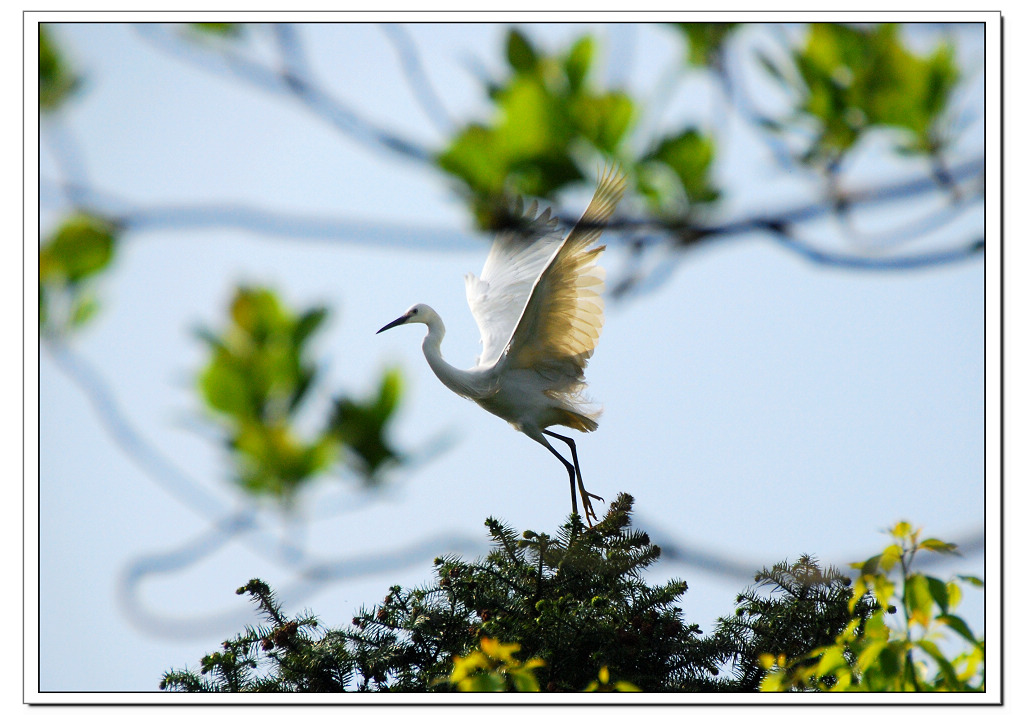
(538, 305)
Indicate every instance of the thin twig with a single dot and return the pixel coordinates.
(291, 82)
(416, 77)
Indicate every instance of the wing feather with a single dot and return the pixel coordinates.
(517, 258)
(560, 324)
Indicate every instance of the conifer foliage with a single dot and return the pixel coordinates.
(792, 608)
(566, 613)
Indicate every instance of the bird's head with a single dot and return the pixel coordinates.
(418, 313)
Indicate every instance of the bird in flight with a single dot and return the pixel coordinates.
(539, 309)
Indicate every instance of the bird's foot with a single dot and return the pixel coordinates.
(588, 508)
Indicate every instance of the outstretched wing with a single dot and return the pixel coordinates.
(560, 324)
(518, 256)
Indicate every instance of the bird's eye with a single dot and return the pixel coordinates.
(415, 311)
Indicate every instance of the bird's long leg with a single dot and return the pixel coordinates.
(569, 468)
(588, 508)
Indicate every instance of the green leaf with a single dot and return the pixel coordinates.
(225, 389)
(307, 324)
(919, 599)
(937, 545)
(854, 79)
(889, 662)
(949, 675)
(604, 120)
(875, 628)
(85, 308)
(972, 580)
(361, 427)
(532, 144)
(521, 55)
(81, 247)
(56, 81)
(534, 124)
(578, 61)
(484, 682)
(832, 659)
(257, 312)
(223, 30)
(954, 594)
(689, 155)
(478, 158)
(524, 681)
(389, 394)
(957, 624)
(939, 593)
(705, 40)
(44, 315)
(890, 556)
(869, 566)
(870, 653)
(255, 381)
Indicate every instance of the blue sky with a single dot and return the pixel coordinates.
(757, 406)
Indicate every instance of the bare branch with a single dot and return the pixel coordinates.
(292, 81)
(313, 576)
(416, 77)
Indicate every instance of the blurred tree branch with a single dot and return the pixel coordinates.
(288, 73)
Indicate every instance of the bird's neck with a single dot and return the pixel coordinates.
(456, 379)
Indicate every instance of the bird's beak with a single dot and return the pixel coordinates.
(398, 321)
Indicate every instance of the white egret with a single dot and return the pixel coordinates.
(538, 306)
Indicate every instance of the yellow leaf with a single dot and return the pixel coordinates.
(859, 589)
(890, 556)
(625, 687)
(464, 665)
(870, 654)
(496, 650)
(954, 593)
(774, 682)
(831, 660)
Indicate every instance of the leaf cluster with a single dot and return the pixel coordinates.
(57, 81)
(70, 260)
(549, 123)
(853, 79)
(493, 667)
(255, 383)
(544, 111)
(896, 645)
(705, 41)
